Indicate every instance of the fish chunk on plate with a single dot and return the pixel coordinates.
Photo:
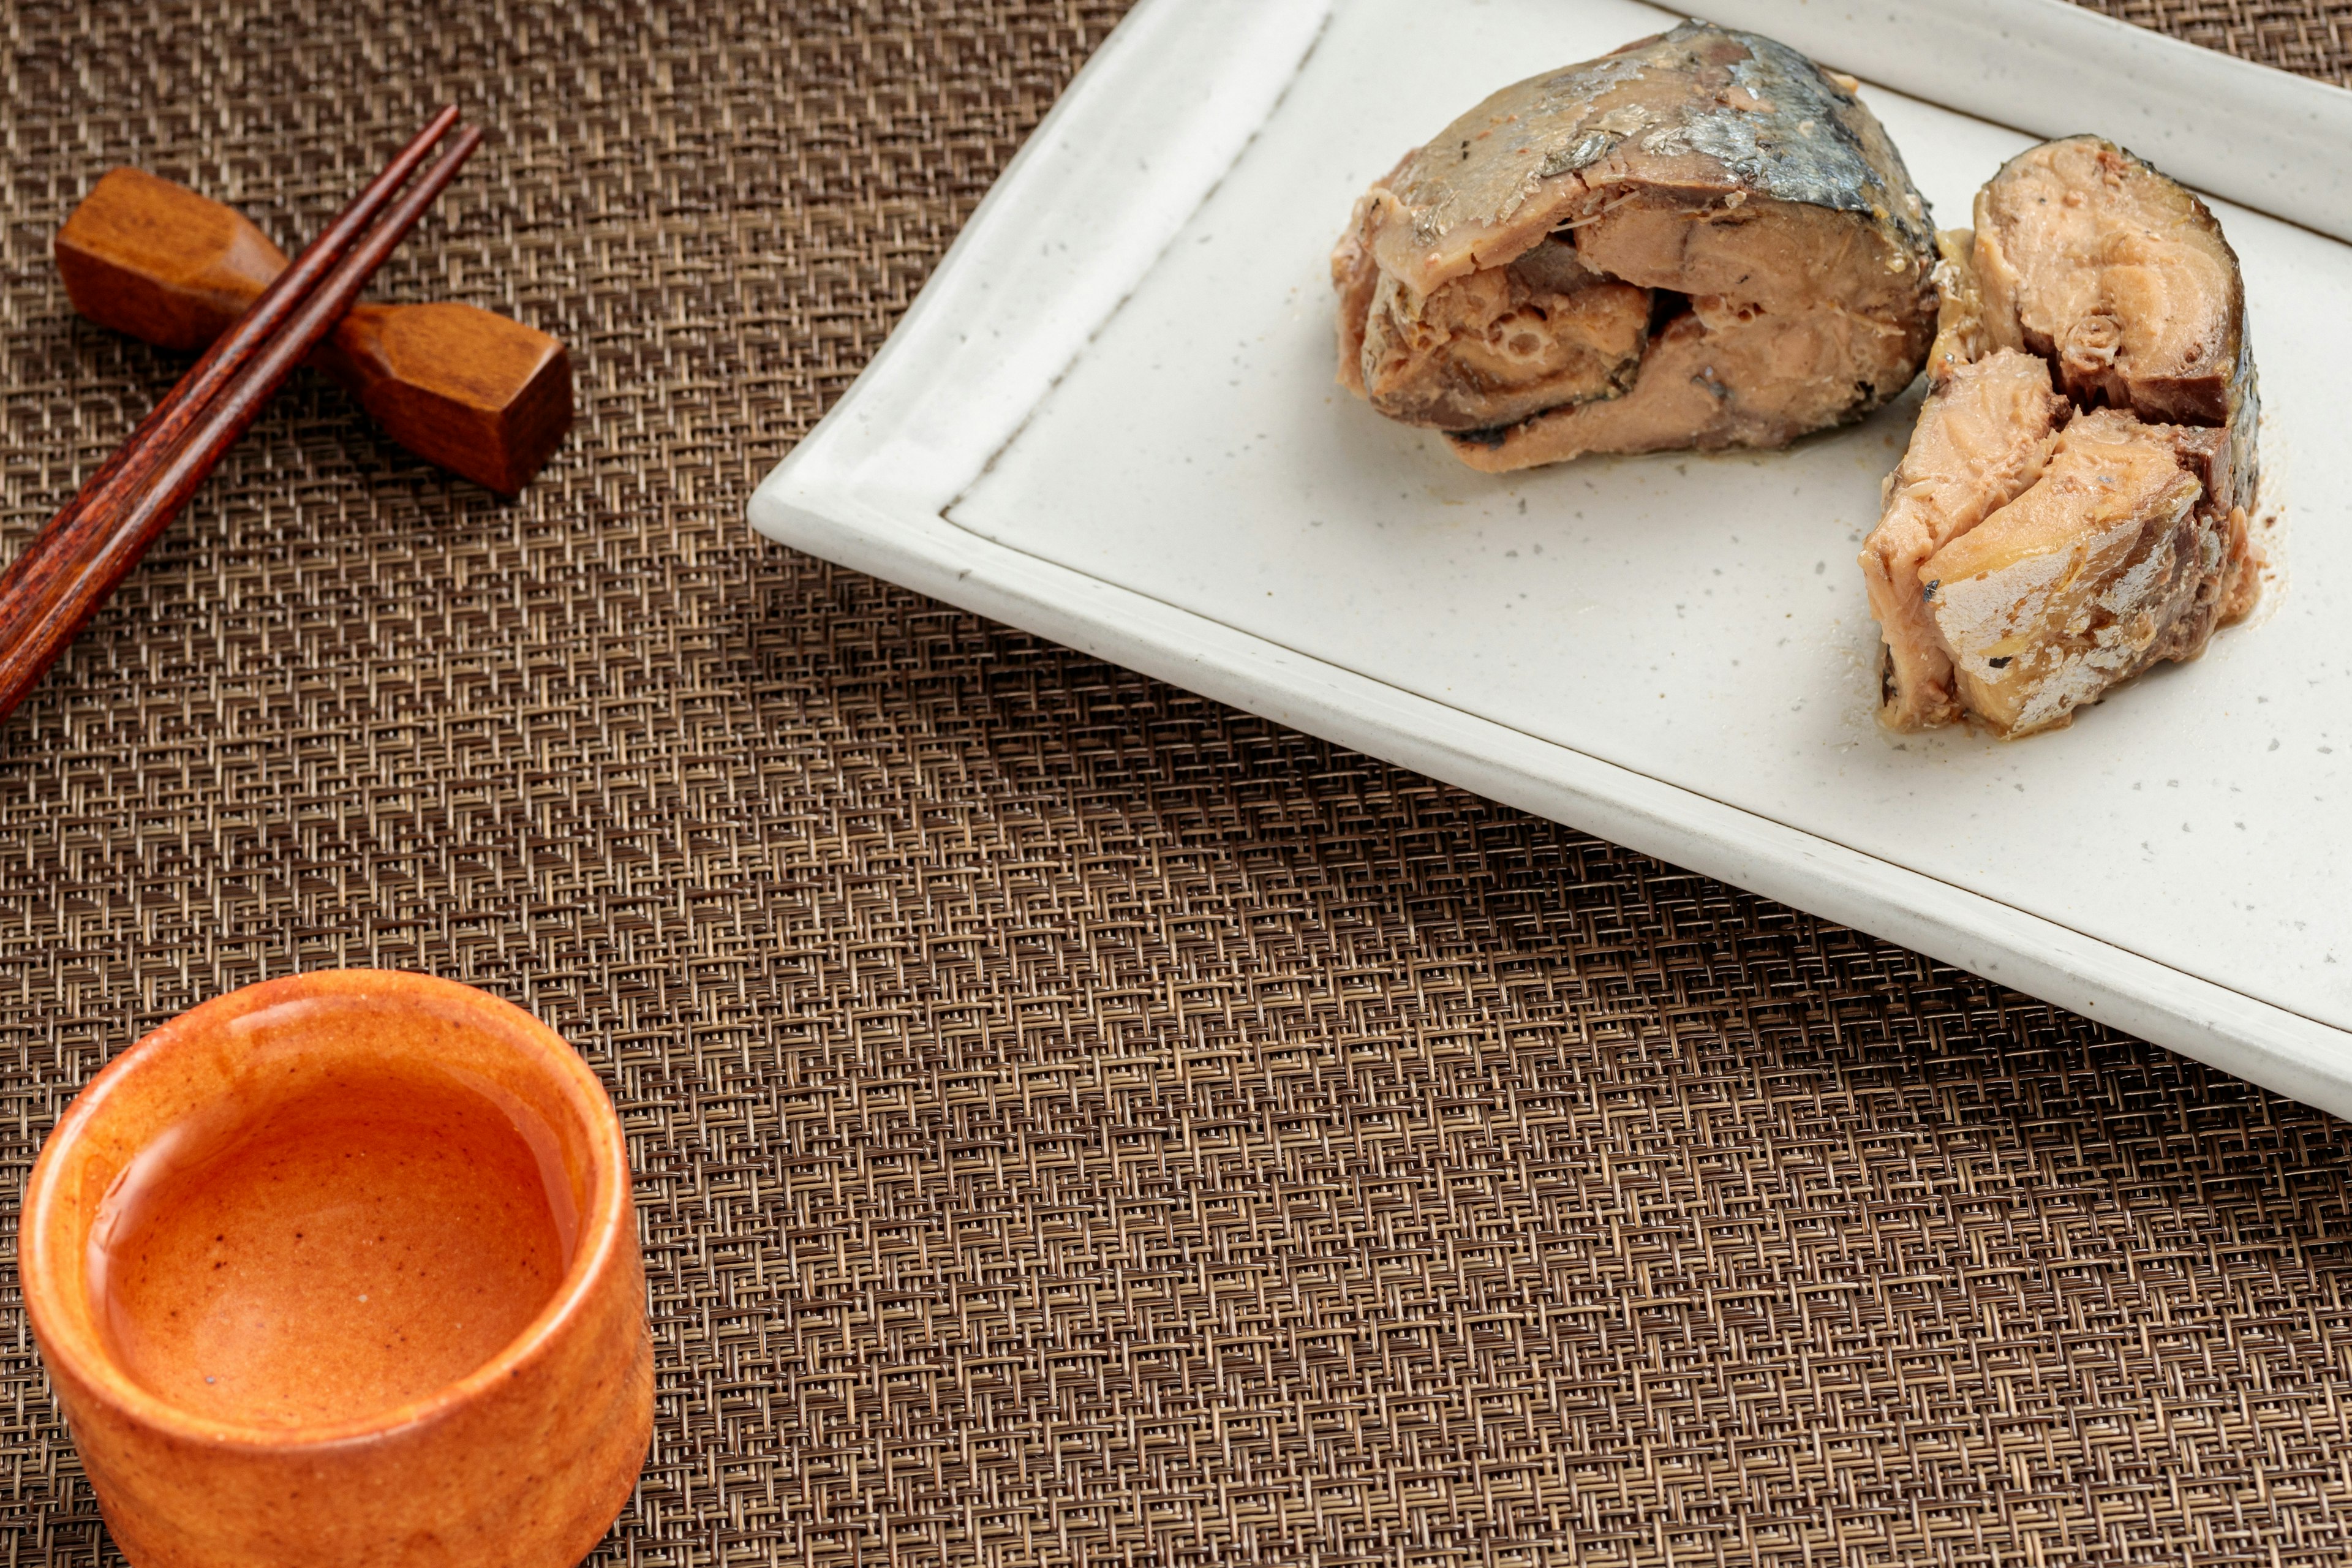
(1702, 241)
(2072, 508)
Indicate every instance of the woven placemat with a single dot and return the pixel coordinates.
(1074, 1122)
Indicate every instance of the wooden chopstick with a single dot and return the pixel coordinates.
(60, 579)
(229, 352)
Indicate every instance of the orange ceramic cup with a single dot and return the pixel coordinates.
(341, 1270)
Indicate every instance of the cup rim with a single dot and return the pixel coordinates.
(81, 1354)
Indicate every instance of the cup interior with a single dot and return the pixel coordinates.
(324, 1207)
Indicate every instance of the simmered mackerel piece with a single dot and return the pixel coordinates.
(2017, 574)
(2122, 279)
(1504, 341)
(1702, 240)
(1960, 306)
(2120, 556)
(1983, 435)
(2119, 275)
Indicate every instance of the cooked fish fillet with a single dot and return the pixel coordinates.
(1504, 341)
(1702, 240)
(1982, 439)
(2112, 560)
(1960, 334)
(2119, 276)
(2024, 564)
(2122, 279)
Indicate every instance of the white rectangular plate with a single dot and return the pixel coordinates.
(1111, 418)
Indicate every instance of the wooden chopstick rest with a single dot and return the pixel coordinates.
(482, 395)
(58, 580)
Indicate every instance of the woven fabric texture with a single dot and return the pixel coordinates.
(1074, 1122)
(2311, 36)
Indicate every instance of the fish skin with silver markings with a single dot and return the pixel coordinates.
(1702, 240)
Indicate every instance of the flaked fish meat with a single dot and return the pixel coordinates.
(2073, 506)
(1702, 241)
(2101, 568)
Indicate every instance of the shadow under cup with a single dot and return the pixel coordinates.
(343, 1268)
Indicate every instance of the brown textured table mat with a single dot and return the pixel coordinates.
(1074, 1122)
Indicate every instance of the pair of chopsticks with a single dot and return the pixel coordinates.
(58, 583)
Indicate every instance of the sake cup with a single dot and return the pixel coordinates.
(342, 1268)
